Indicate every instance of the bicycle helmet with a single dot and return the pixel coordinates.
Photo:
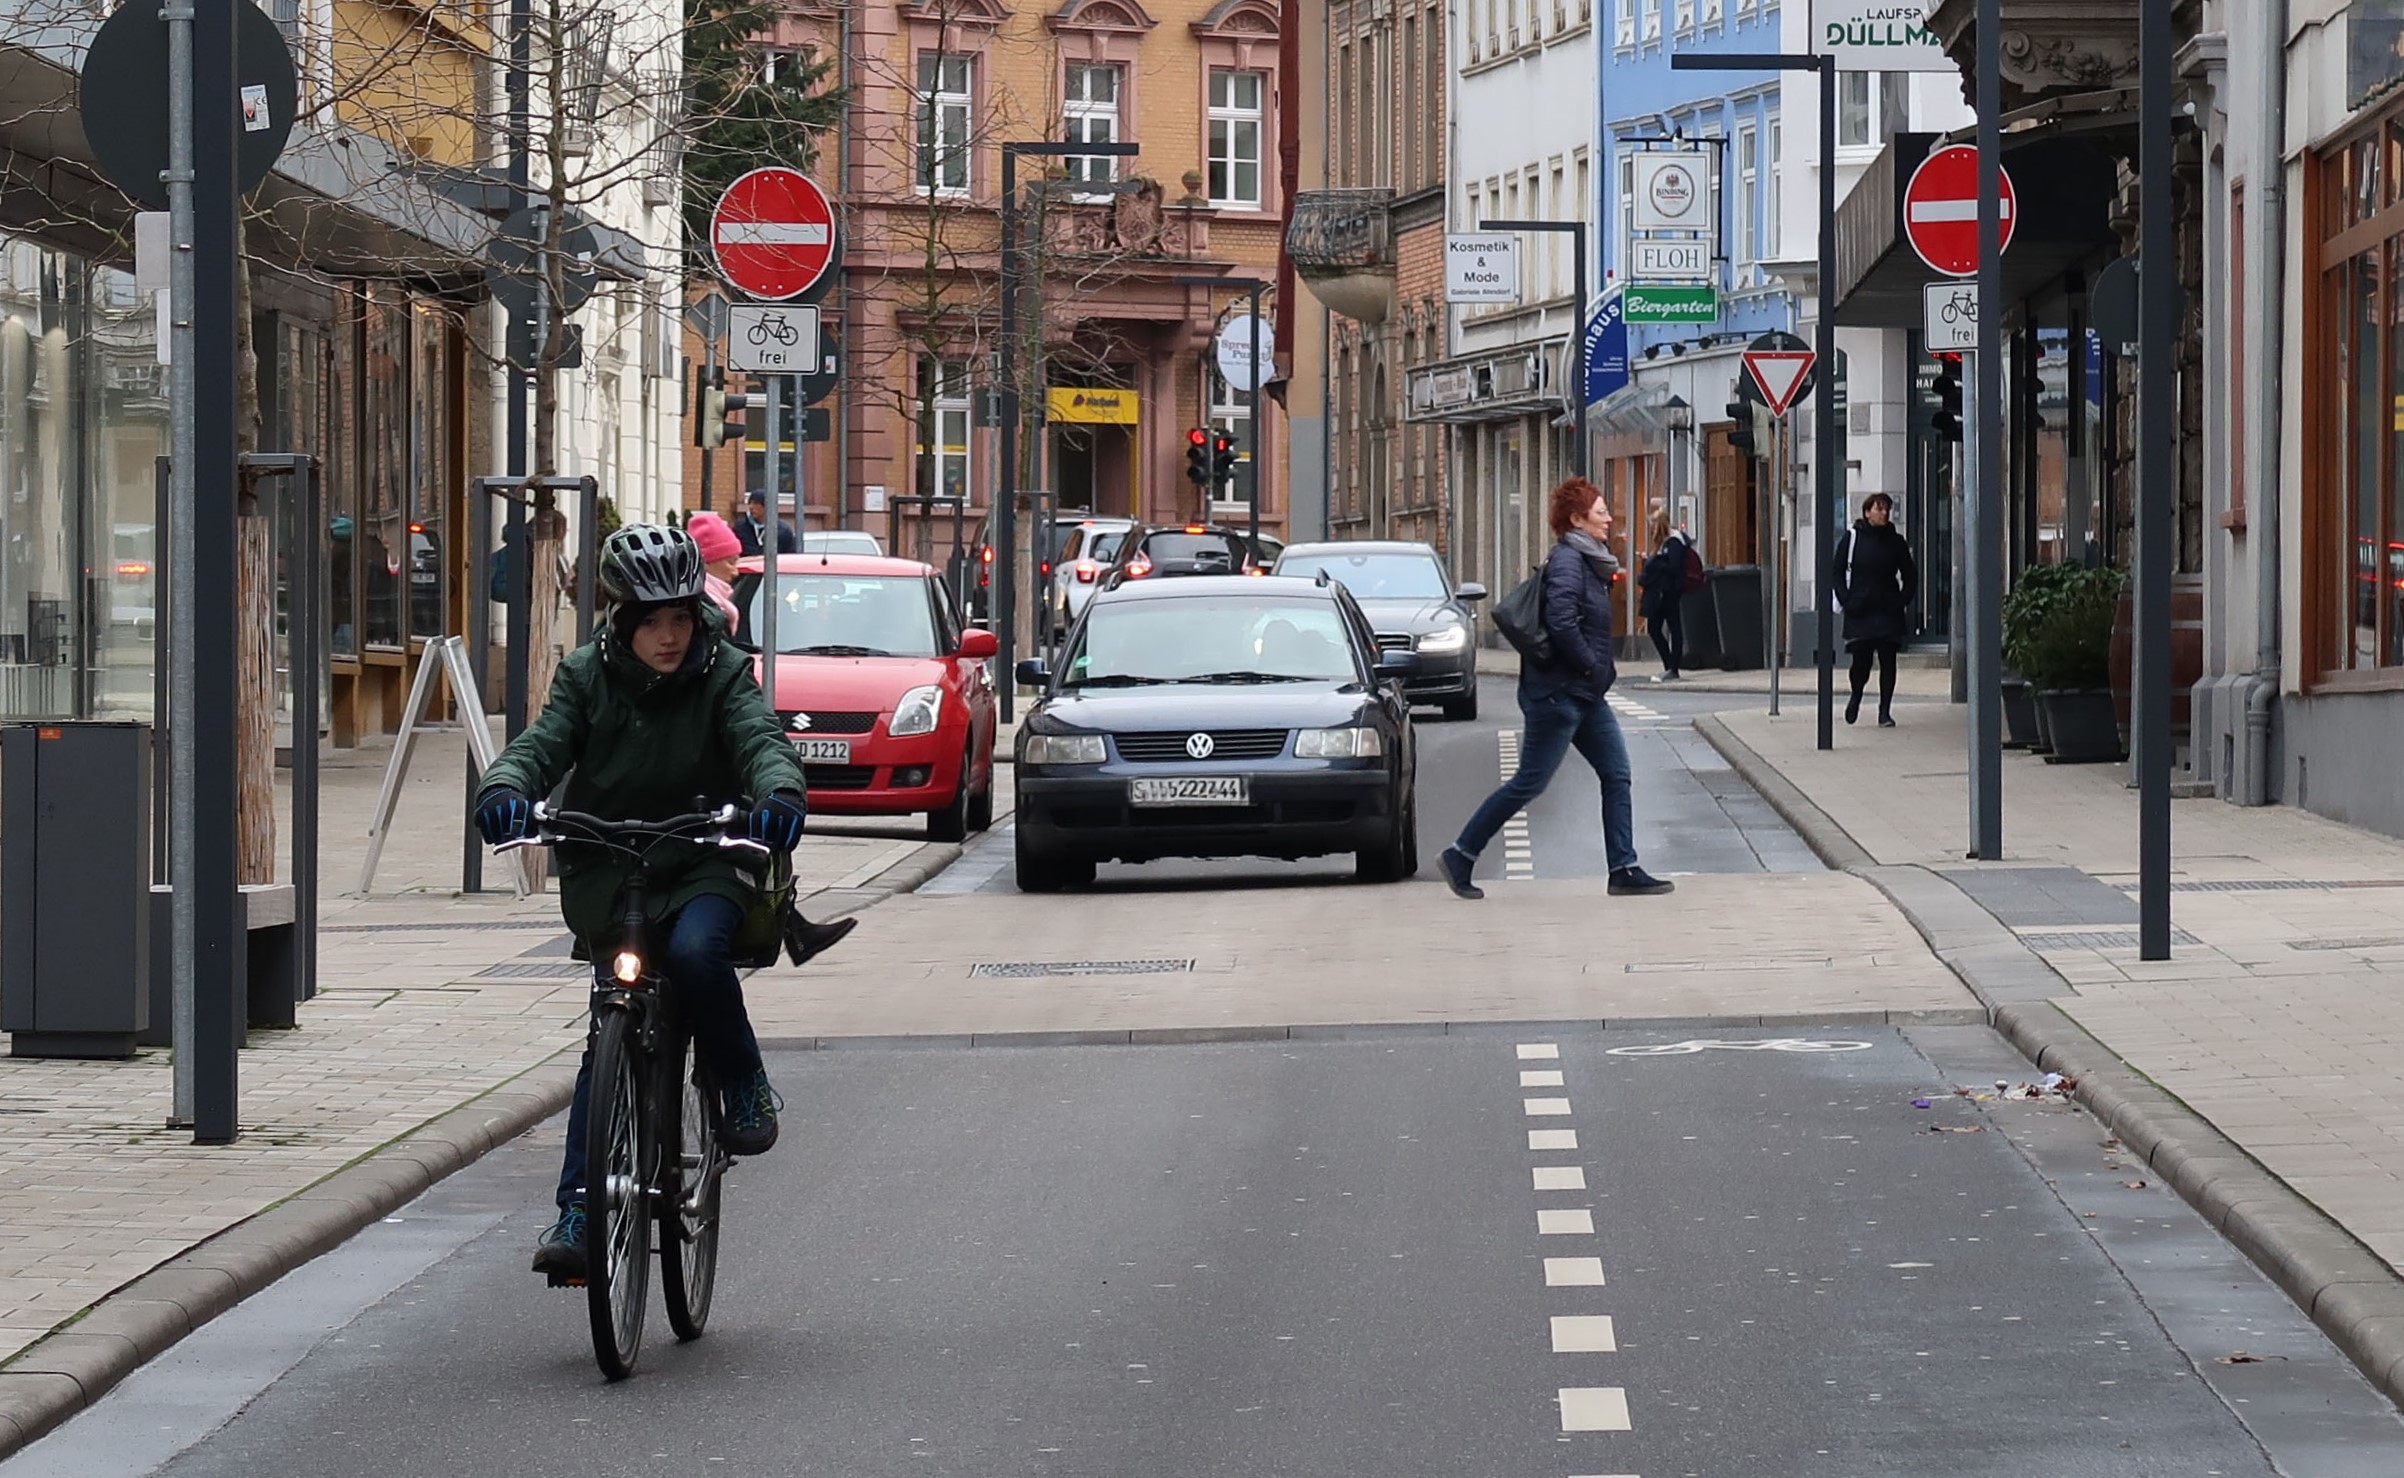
(645, 564)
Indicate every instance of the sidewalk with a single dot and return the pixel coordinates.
(2273, 1030)
(444, 1024)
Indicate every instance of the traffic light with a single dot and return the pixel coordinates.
(1740, 437)
(1197, 457)
(713, 405)
(1948, 388)
(1222, 459)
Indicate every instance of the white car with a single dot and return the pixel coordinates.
(1087, 554)
(840, 541)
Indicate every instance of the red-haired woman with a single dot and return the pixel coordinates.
(1563, 700)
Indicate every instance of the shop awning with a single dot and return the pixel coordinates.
(2064, 185)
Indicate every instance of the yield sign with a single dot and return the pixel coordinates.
(773, 233)
(1940, 210)
(1780, 374)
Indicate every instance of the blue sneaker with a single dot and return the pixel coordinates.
(1457, 865)
(751, 1116)
(560, 1252)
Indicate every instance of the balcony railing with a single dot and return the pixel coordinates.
(1342, 232)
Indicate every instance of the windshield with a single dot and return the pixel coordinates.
(849, 615)
(1210, 639)
(1203, 549)
(1375, 576)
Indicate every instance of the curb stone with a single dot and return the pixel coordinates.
(2349, 1291)
(64, 1372)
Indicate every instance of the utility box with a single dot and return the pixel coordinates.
(1735, 592)
(74, 888)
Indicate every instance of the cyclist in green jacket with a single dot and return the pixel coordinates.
(658, 710)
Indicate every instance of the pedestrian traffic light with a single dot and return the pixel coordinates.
(1197, 457)
(1948, 418)
(713, 405)
(1222, 459)
(1740, 436)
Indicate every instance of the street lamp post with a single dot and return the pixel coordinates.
(1254, 286)
(1576, 231)
(1824, 471)
(1005, 503)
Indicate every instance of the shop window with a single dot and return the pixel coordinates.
(2357, 500)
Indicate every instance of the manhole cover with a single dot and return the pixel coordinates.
(2096, 939)
(1036, 969)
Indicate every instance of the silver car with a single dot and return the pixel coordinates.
(1414, 607)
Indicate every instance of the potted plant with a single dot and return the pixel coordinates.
(2065, 654)
(2024, 607)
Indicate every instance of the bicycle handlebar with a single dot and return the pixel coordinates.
(605, 832)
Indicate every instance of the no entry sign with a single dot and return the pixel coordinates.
(773, 234)
(1940, 210)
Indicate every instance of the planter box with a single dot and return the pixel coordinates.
(2019, 715)
(2081, 726)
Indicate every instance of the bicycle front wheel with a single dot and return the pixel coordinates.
(619, 1164)
(688, 1212)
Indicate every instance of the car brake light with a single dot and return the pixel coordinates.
(1086, 571)
(1195, 528)
(1139, 569)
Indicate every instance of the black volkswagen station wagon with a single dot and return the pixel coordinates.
(1217, 716)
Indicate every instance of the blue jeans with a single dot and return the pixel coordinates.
(700, 959)
(1553, 725)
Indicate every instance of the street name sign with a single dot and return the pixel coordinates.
(1952, 309)
(773, 233)
(1670, 302)
(1940, 210)
(1877, 36)
(773, 339)
(1661, 259)
(1780, 375)
(1481, 268)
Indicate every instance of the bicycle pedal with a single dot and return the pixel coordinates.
(558, 1281)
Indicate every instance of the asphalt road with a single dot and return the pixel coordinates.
(1396, 1256)
(1693, 814)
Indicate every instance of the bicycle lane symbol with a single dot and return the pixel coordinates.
(1710, 1044)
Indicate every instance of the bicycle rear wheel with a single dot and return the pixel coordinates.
(688, 1211)
(619, 1163)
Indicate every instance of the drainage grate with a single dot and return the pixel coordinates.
(1039, 969)
(2096, 939)
(541, 970)
(2274, 885)
(2365, 941)
(433, 928)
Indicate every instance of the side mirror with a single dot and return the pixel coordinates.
(1397, 664)
(1469, 591)
(1033, 672)
(978, 645)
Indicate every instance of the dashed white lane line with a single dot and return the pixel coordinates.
(1552, 1139)
(1539, 1051)
(1594, 1409)
(1545, 1077)
(1574, 1221)
(1539, 1108)
(1584, 1334)
(1560, 1177)
(1573, 1272)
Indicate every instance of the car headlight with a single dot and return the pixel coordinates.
(917, 712)
(1445, 639)
(1338, 744)
(1065, 749)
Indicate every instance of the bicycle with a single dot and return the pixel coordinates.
(649, 1088)
(772, 327)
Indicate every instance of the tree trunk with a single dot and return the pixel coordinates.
(255, 854)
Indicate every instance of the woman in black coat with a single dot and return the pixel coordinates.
(1875, 583)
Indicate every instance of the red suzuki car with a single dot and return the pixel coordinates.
(883, 690)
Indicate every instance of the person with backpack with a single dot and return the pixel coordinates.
(1876, 579)
(1674, 569)
(1560, 620)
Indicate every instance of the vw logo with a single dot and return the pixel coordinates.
(799, 723)
(1200, 745)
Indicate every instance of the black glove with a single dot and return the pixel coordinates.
(503, 815)
(776, 822)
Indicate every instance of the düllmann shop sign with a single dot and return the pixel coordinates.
(1877, 36)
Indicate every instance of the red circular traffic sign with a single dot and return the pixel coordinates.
(773, 233)
(1940, 210)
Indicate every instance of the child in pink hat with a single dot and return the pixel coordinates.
(719, 551)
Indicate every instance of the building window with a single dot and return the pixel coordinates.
(943, 468)
(1748, 219)
(943, 140)
(1623, 24)
(1652, 20)
(1231, 412)
(1092, 109)
(1627, 211)
(1770, 228)
(1857, 109)
(1411, 101)
(1235, 137)
(2357, 500)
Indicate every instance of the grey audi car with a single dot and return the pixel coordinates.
(1414, 607)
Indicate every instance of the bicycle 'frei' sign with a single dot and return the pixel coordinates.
(773, 233)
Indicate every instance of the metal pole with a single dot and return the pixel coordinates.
(182, 696)
(1003, 612)
(309, 642)
(1824, 478)
(588, 556)
(519, 86)
(1779, 495)
(520, 632)
(1578, 456)
(1983, 545)
(479, 645)
(2157, 325)
(771, 540)
(1252, 412)
(218, 997)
